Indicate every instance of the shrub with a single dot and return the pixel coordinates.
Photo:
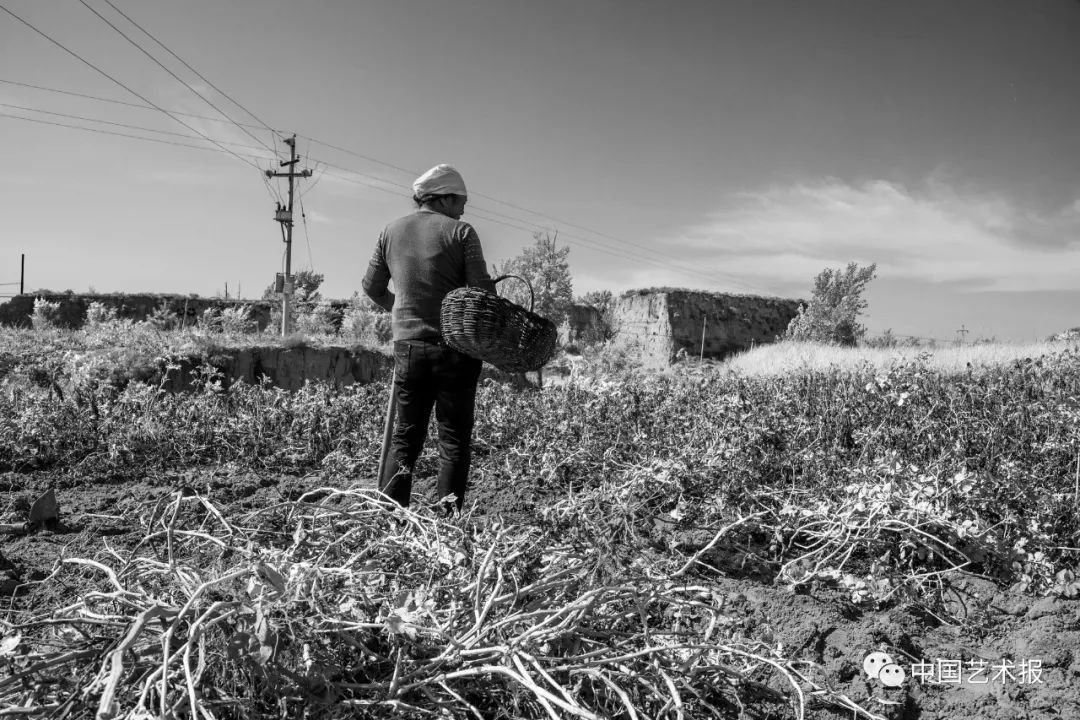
(236, 319)
(363, 321)
(163, 318)
(211, 319)
(320, 318)
(46, 314)
(99, 314)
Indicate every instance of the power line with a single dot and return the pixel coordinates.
(113, 101)
(480, 212)
(197, 73)
(589, 243)
(123, 125)
(307, 238)
(136, 137)
(520, 208)
(166, 69)
(86, 62)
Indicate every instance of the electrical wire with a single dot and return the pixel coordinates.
(307, 239)
(197, 73)
(322, 171)
(166, 69)
(114, 101)
(86, 62)
(520, 208)
(530, 227)
(135, 137)
(478, 211)
(484, 214)
(123, 125)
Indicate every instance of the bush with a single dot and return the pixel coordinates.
(320, 318)
(46, 314)
(365, 322)
(163, 318)
(99, 314)
(236, 319)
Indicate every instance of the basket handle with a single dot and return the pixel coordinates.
(532, 296)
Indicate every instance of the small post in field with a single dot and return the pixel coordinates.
(701, 352)
(22, 273)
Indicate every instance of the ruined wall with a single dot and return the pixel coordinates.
(17, 311)
(287, 368)
(583, 324)
(660, 324)
(643, 326)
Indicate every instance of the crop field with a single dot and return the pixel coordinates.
(700, 543)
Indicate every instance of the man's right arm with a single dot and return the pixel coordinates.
(377, 279)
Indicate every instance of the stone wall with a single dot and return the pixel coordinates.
(17, 311)
(583, 324)
(658, 324)
(287, 368)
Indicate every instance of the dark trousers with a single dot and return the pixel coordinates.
(429, 375)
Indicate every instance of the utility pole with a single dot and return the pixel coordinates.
(284, 216)
(22, 272)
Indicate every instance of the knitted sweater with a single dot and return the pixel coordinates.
(427, 254)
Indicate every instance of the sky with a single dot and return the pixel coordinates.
(723, 145)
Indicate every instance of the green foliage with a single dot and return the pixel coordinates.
(605, 508)
(365, 322)
(319, 318)
(236, 319)
(98, 314)
(917, 471)
(163, 318)
(46, 314)
(604, 302)
(305, 298)
(306, 284)
(544, 265)
(831, 316)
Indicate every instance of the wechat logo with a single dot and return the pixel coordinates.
(883, 668)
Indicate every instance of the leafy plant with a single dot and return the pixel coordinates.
(46, 314)
(544, 265)
(236, 319)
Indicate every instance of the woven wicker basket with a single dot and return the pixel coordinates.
(491, 328)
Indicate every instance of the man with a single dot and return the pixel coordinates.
(428, 254)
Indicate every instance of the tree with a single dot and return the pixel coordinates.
(545, 266)
(306, 285)
(836, 303)
(604, 303)
(306, 296)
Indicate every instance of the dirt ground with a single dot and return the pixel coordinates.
(1018, 656)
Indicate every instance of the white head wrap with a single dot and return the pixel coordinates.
(439, 180)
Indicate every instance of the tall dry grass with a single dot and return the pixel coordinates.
(794, 357)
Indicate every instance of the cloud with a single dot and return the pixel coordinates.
(349, 184)
(317, 218)
(191, 178)
(978, 241)
(236, 132)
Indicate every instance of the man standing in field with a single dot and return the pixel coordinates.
(428, 254)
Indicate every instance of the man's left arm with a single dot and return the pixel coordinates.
(377, 279)
(476, 274)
